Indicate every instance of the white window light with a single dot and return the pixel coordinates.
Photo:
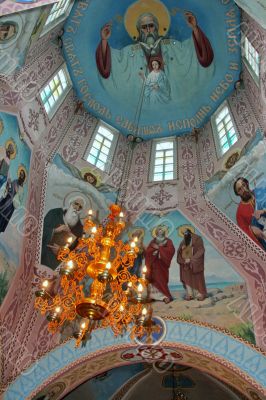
(252, 58)
(102, 147)
(164, 154)
(55, 91)
(58, 10)
(226, 135)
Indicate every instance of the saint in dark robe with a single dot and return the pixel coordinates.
(190, 257)
(59, 225)
(12, 199)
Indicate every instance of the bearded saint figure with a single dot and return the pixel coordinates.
(59, 225)
(190, 257)
(158, 259)
(188, 65)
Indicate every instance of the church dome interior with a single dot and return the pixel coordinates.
(132, 199)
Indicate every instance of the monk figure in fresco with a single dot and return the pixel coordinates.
(190, 257)
(188, 65)
(158, 259)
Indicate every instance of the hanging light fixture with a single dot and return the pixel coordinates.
(115, 298)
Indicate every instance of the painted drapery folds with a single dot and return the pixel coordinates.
(239, 190)
(188, 278)
(70, 194)
(174, 64)
(14, 167)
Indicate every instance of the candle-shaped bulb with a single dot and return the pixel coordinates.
(121, 215)
(70, 240)
(83, 325)
(45, 284)
(57, 309)
(93, 229)
(144, 311)
(136, 239)
(144, 269)
(90, 212)
(129, 285)
(70, 264)
(108, 265)
(132, 245)
(140, 288)
(121, 308)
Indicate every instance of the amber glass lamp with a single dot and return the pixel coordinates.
(102, 262)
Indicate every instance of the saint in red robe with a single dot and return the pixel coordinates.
(244, 216)
(158, 263)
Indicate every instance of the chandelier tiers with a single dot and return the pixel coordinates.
(114, 299)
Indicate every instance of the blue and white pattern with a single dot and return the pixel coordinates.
(243, 357)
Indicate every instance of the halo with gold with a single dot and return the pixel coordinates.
(8, 142)
(232, 159)
(22, 167)
(155, 7)
(94, 173)
(132, 233)
(163, 227)
(182, 229)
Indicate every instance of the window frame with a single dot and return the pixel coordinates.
(217, 141)
(52, 24)
(152, 159)
(110, 155)
(246, 61)
(50, 114)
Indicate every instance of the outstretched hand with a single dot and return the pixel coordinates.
(191, 20)
(62, 229)
(106, 31)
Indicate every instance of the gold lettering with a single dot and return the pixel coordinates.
(70, 29)
(171, 126)
(234, 66)
(231, 13)
(82, 5)
(78, 72)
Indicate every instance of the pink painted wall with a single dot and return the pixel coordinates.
(24, 335)
(9, 6)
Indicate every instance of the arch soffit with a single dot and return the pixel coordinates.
(225, 357)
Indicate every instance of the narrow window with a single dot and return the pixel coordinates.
(58, 10)
(55, 91)
(226, 132)
(251, 58)
(101, 148)
(164, 160)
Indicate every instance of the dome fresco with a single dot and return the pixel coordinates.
(162, 72)
(153, 68)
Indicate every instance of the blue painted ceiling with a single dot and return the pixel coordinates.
(189, 83)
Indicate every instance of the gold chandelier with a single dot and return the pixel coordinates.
(114, 299)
